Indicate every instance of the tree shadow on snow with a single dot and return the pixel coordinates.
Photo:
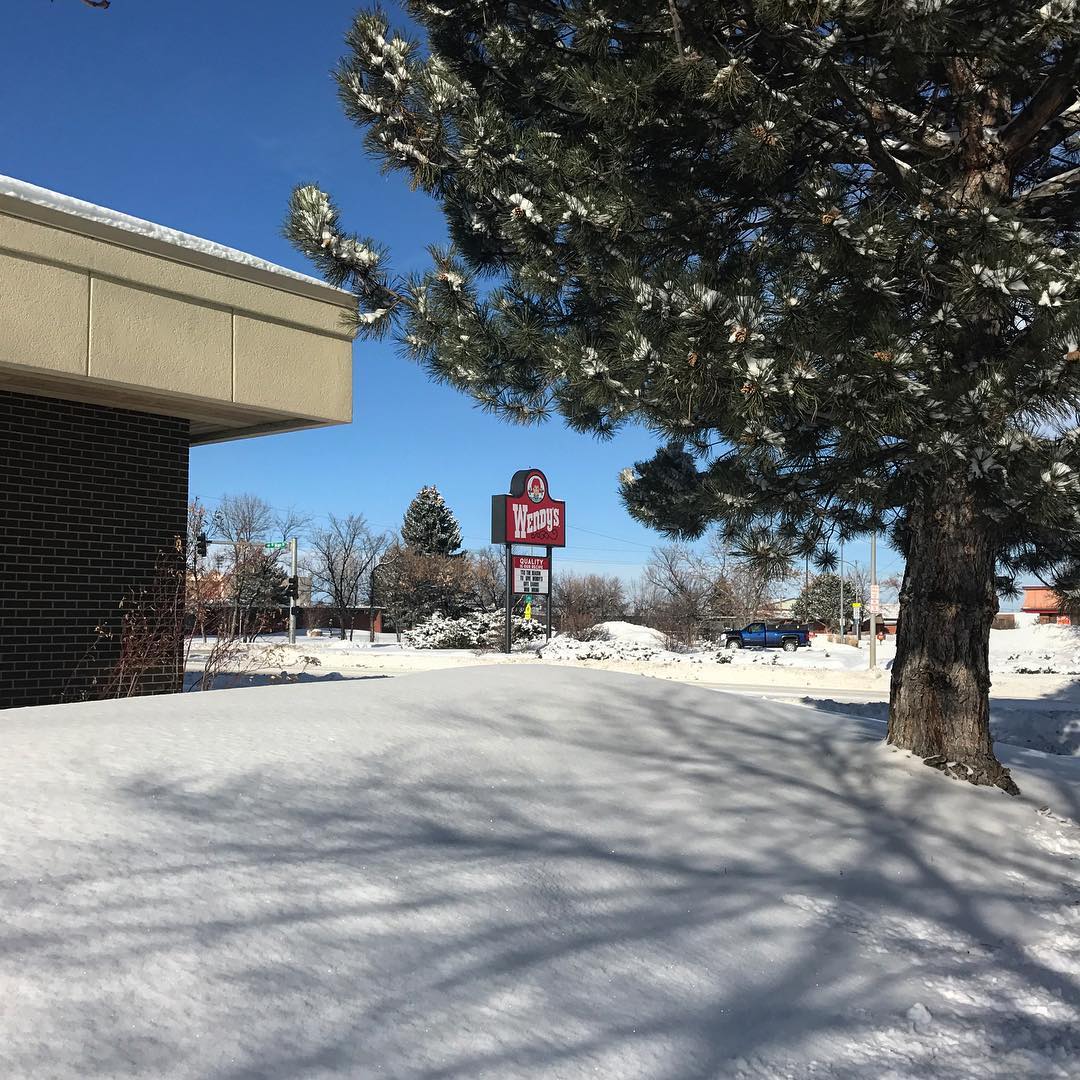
(651, 887)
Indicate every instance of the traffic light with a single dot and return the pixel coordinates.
(294, 587)
(200, 545)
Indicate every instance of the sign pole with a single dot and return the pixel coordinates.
(509, 597)
(293, 600)
(551, 589)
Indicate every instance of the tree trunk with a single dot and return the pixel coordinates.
(940, 703)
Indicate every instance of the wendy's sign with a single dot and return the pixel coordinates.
(528, 515)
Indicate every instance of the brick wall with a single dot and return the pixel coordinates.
(91, 499)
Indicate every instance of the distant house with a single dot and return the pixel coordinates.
(1045, 603)
(886, 620)
(786, 609)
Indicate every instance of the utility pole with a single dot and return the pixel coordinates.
(371, 605)
(294, 590)
(841, 592)
(873, 604)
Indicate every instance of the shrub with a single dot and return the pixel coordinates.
(477, 630)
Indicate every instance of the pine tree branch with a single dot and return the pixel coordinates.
(1052, 197)
(1055, 133)
(891, 167)
(910, 127)
(1063, 183)
(676, 26)
(1057, 92)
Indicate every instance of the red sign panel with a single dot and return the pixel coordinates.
(528, 515)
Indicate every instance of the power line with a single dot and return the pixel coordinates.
(593, 532)
(485, 541)
(470, 536)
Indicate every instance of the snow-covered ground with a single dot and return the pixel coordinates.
(1029, 709)
(524, 871)
(1029, 649)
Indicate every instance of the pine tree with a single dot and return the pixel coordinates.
(825, 249)
(822, 600)
(429, 527)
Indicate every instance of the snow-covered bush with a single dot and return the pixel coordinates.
(477, 630)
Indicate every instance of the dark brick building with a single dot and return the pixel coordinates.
(94, 502)
(122, 345)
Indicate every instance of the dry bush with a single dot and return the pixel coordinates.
(151, 634)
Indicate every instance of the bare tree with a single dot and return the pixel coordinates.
(340, 558)
(489, 576)
(256, 578)
(686, 588)
(748, 591)
(643, 599)
(890, 587)
(197, 591)
(582, 600)
(569, 603)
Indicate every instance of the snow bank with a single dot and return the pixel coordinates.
(523, 871)
(1036, 649)
(569, 648)
(1053, 651)
(613, 641)
(39, 196)
(631, 634)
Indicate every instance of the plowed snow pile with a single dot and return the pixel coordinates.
(1036, 649)
(524, 872)
(612, 641)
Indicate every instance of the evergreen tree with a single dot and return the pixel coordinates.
(820, 601)
(430, 527)
(825, 249)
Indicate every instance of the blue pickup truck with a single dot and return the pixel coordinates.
(788, 636)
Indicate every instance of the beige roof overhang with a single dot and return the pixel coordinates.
(91, 311)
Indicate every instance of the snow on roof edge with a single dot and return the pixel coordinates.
(67, 204)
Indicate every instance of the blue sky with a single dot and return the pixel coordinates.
(202, 116)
